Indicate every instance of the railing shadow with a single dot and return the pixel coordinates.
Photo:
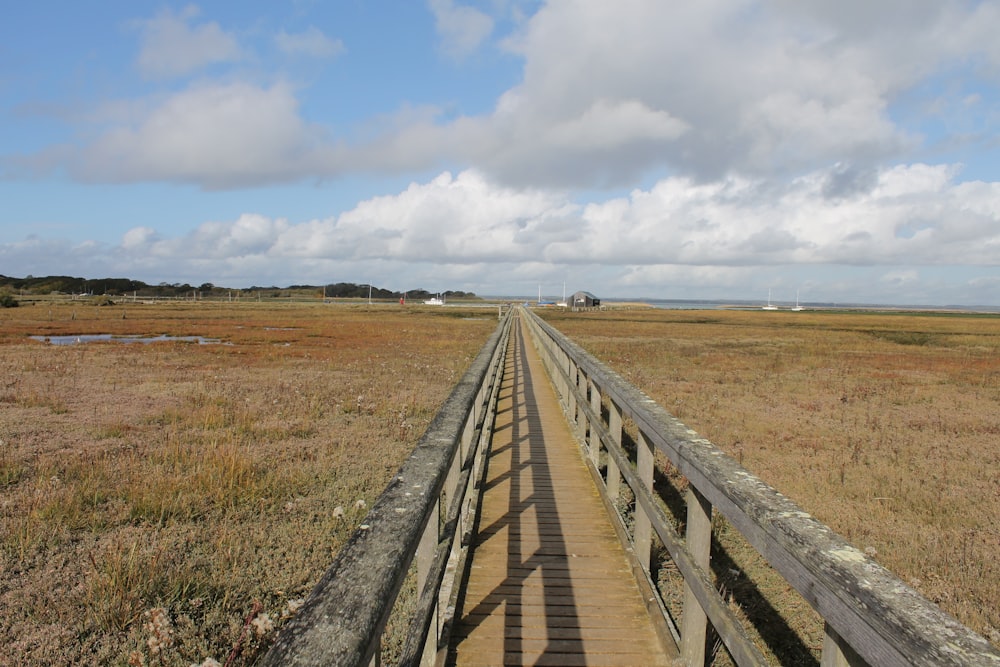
(786, 645)
(528, 458)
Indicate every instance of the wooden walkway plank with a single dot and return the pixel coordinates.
(549, 582)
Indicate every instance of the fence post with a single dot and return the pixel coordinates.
(699, 543)
(595, 438)
(425, 556)
(569, 398)
(615, 429)
(837, 653)
(451, 485)
(560, 372)
(643, 528)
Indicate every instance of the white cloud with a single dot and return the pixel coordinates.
(766, 133)
(913, 214)
(172, 46)
(460, 220)
(311, 42)
(462, 29)
(139, 238)
(753, 88)
(609, 124)
(721, 227)
(894, 241)
(217, 136)
(901, 278)
(611, 94)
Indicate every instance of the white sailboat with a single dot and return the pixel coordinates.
(797, 307)
(435, 301)
(563, 303)
(769, 306)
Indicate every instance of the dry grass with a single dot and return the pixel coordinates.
(884, 426)
(165, 503)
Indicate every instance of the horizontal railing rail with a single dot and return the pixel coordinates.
(871, 616)
(417, 517)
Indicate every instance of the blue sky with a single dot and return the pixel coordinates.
(845, 151)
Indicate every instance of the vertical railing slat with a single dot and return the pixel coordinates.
(643, 527)
(614, 475)
(594, 438)
(837, 653)
(426, 551)
(694, 627)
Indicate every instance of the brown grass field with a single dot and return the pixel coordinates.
(170, 502)
(165, 503)
(885, 426)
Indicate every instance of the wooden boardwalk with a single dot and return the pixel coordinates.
(549, 581)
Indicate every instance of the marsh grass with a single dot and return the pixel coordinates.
(883, 426)
(206, 481)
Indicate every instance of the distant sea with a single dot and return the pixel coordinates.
(731, 304)
(708, 304)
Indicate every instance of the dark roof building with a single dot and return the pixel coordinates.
(585, 300)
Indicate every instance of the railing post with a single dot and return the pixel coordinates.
(614, 475)
(595, 406)
(595, 438)
(470, 429)
(571, 372)
(699, 543)
(578, 411)
(455, 474)
(425, 557)
(837, 653)
(562, 361)
(643, 527)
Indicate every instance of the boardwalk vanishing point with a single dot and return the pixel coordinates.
(549, 581)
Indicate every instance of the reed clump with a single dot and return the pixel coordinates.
(173, 503)
(882, 425)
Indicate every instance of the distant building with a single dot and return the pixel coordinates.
(585, 300)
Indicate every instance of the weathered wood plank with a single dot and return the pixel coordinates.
(549, 582)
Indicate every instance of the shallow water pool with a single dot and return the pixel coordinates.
(96, 338)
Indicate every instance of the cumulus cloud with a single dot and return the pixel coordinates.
(755, 91)
(763, 133)
(914, 214)
(216, 136)
(139, 238)
(470, 220)
(461, 28)
(311, 42)
(893, 235)
(610, 94)
(173, 46)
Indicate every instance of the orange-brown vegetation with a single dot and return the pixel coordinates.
(885, 426)
(170, 502)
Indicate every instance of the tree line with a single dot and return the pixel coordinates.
(31, 285)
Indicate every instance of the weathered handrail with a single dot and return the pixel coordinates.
(871, 616)
(342, 620)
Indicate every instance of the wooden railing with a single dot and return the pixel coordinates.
(424, 514)
(871, 617)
